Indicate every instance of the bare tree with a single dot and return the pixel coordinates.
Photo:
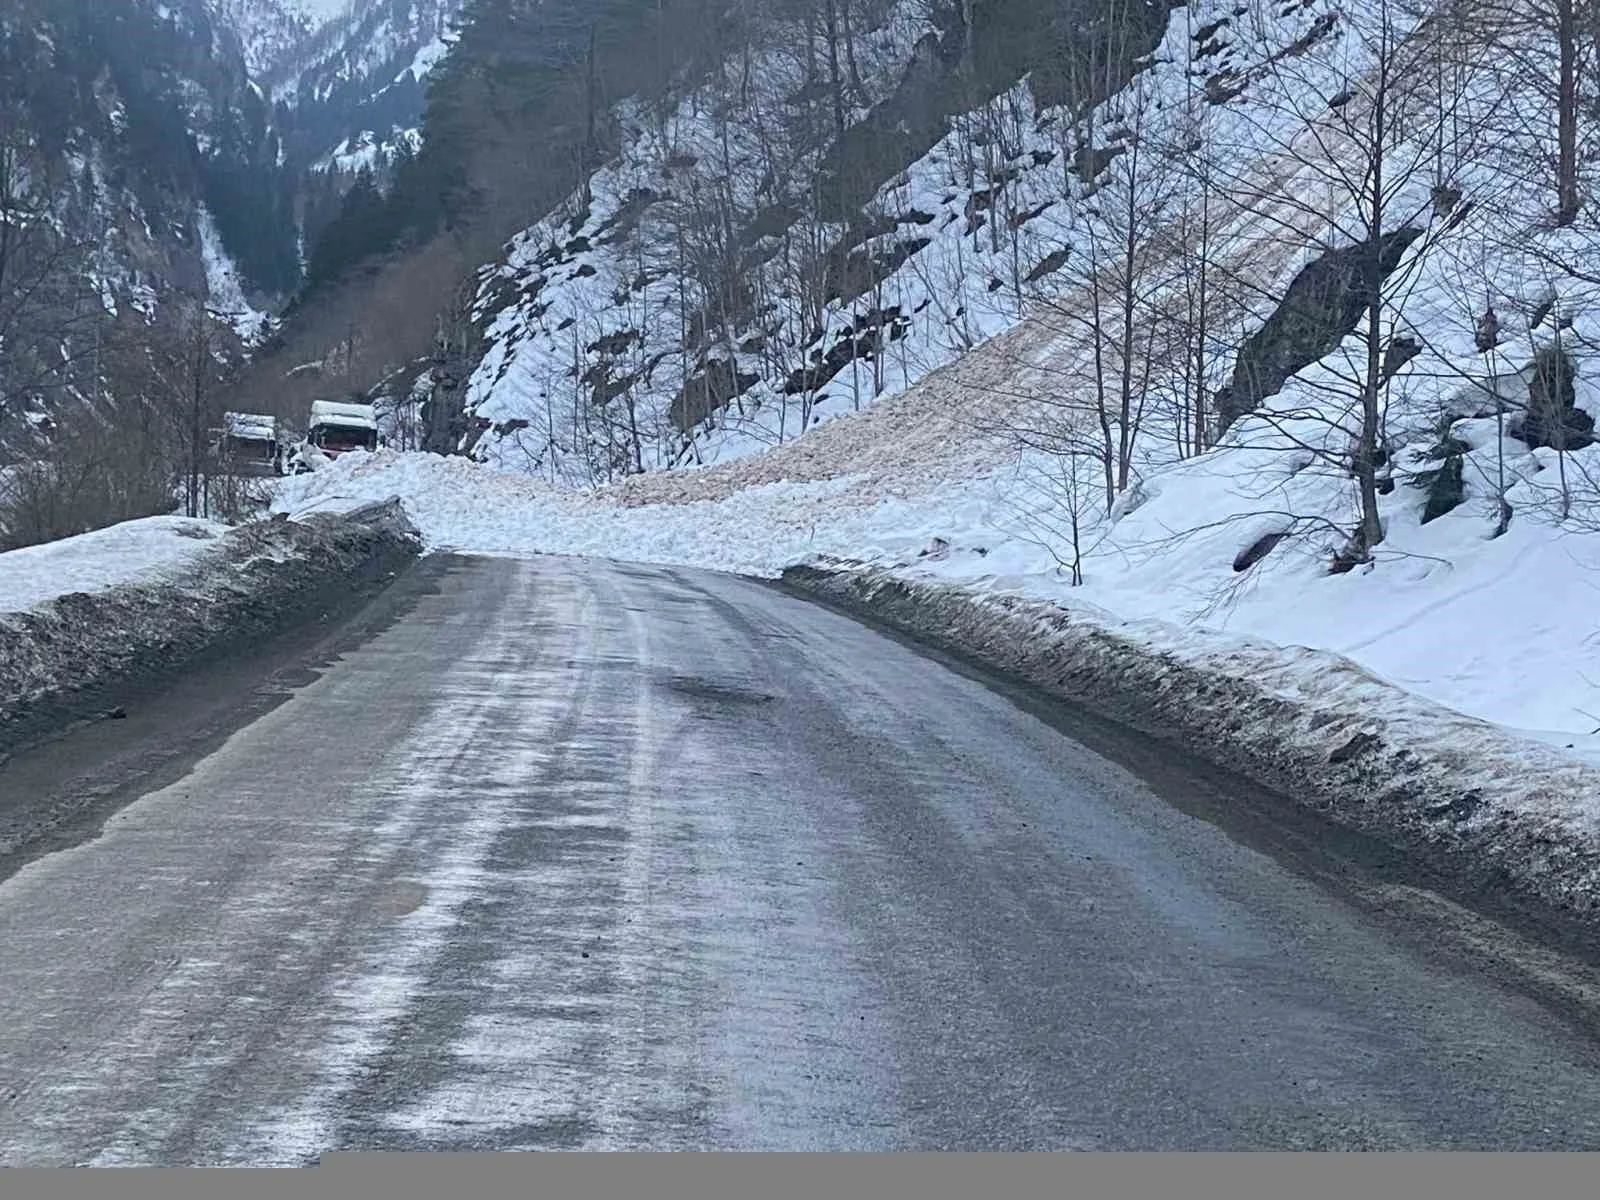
(1113, 295)
(1545, 52)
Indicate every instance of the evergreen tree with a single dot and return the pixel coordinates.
(363, 228)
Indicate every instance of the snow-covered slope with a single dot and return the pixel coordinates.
(318, 10)
(591, 366)
(977, 471)
(358, 73)
(311, 47)
(269, 31)
(618, 302)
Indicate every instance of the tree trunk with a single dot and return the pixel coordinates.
(830, 18)
(196, 414)
(590, 103)
(856, 85)
(1203, 314)
(1130, 262)
(1107, 448)
(1365, 464)
(1567, 114)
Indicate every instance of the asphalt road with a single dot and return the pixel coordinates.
(570, 855)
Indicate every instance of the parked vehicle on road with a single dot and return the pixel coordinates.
(338, 428)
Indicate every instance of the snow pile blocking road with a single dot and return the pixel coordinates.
(69, 658)
(1492, 811)
(1436, 616)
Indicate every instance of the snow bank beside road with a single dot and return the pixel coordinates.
(71, 658)
(134, 552)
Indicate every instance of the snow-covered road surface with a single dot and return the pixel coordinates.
(583, 855)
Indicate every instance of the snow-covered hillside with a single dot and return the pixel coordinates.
(319, 10)
(346, 42)
(370, 151)
(979, 470)
(358, 73)
(591, 366)
(269, 31)
(225, 290)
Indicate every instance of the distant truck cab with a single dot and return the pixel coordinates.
(248, 443)
(337, 428)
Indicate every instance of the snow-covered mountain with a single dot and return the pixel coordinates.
(144, 117)
(269, 31)
(155, 196)
(345, 76)
(147, 226)
(356, 73)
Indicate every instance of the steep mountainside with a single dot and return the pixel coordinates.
(356, 78)
(150, 129)
(137, 127)
(735, 274)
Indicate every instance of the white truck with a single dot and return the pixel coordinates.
(336, 428)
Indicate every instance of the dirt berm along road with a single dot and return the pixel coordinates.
(566, 854)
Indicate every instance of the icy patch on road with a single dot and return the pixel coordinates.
(375, 1000)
